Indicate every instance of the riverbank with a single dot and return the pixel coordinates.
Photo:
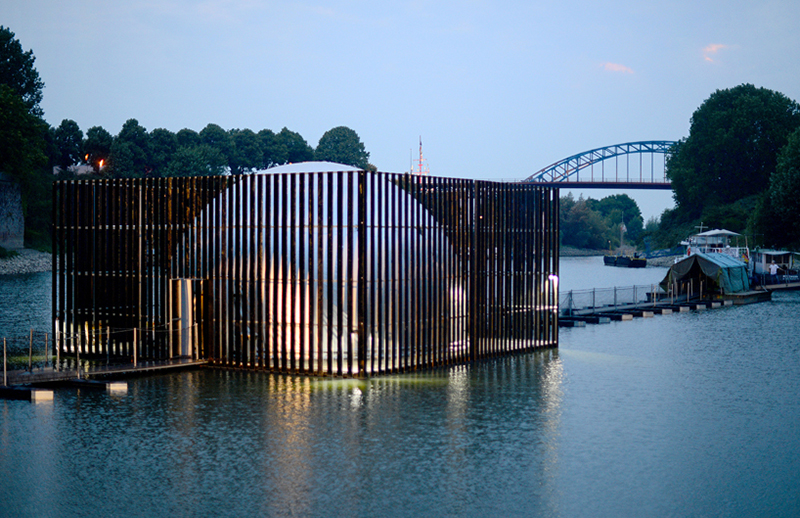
(568, 251)
(28, 261)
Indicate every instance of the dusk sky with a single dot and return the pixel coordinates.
(496, 89)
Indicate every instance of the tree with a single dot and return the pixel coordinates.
(619, 209)
(732, 147)
(216, 137)
(18, 73)
(130, 151)
(163, 145)
(342, 145)
(269, 145)
(581, 226)
(200, 160)
(292, 147)
(97, 147)
(68, 139)
(22, 142)
(188, 138)
(781, 213)
(247, 152)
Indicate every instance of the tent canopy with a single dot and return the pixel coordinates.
(726, 274)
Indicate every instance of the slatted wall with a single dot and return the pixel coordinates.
(340, 273)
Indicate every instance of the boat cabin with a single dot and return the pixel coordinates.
(788, 263)
(718, 241)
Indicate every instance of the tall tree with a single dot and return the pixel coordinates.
(247, 152)
(219, 139)
(342, 145)
(199, 160)
(296, 148)
(97, 147)
(580, 226)
(188, 138)
(781, 222)
(269, 145)
(732, 147)
(18, 73)
(130, 151)
(22, 142)
(163, 145)
(68, 139)
(620, 209)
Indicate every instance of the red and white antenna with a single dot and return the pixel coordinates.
(422, 165)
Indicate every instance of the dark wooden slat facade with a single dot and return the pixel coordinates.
(340, 273)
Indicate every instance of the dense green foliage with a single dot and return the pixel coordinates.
(135, 153)
(724, 173)
(778, 215)
(25, 139)
(732, 147)
(342, 145)
(68, 139)
(18, 73)
(22, 136)
(600, 224)
(7, 254)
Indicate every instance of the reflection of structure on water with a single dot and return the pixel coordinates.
(345, 272)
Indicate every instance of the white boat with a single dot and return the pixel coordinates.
(719, 241)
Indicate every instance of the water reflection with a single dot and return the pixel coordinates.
(462, 439)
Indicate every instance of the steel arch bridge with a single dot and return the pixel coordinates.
(580, 171)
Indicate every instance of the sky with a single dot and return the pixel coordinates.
(495, 89)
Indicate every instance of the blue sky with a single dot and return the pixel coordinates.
(496, 89)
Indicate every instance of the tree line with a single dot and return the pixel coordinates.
(136, 153)
(600, 224)
(31, 150)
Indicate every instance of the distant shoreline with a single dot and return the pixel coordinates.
(569, 251)
(28, 261)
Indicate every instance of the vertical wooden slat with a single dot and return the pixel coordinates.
(302, 271)
(361, 255)
(323, 240)
(387, 252)
(291, 272)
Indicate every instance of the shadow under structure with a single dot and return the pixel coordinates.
(336, 273)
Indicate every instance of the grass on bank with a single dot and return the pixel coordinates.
(7, 254)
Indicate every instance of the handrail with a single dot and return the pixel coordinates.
(606, 298)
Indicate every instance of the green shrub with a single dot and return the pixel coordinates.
(7, 254)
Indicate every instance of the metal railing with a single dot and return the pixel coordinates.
(596, 299)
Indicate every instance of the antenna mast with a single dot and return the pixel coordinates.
(422, 165)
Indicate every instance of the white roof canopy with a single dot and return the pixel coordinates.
(308, 167)
(718, 232)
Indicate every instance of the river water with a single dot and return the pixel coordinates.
(692, 414)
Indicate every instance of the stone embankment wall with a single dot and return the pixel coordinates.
(12, 222)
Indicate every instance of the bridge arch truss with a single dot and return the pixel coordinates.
(580, 169)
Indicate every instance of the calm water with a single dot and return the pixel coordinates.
(692, 414)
